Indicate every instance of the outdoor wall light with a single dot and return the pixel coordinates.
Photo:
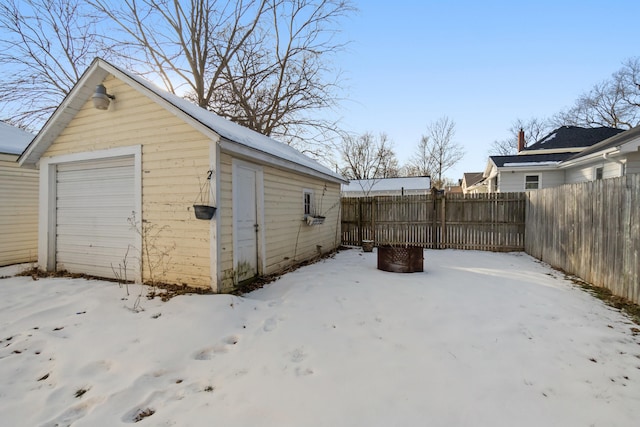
(101, 98)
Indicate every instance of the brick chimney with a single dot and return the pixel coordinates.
(520, 140)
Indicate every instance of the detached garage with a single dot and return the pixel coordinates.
(122, 164)
(18, 200)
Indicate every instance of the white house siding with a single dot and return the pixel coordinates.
(287, 239)
(586, 172)
(175, 157)
(18, 212)
(579, 174)
(514, 181)
(633, 163)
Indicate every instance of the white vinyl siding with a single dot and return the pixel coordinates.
(94, 200)
(18, 212)
(515, 181)
(633, 163)
(587, 172)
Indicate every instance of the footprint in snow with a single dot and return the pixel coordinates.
(298, 355)
(209, 353)
(74, 413)
(270, 324)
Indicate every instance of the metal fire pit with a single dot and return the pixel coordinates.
(400, 259)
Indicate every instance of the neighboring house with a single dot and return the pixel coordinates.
(613, 157)
(131, 157)
(18, 200)
(453, 189)
(387, 186)
(540, 165)
(473, 183)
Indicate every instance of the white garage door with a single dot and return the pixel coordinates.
(94, 200)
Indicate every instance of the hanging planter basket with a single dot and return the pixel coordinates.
(204, 211)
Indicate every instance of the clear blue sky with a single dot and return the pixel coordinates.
(484, 64)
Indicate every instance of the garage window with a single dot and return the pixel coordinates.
(307, 202)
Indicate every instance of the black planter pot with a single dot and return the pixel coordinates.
(204, 211)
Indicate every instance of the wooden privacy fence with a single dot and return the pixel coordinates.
(491, 222)
(591, 230)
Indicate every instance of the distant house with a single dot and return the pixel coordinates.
(120, 156)
(453, 189)
(387, 186)
(473, 183)
(541, 165)
(18, 200)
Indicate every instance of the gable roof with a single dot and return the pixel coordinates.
(610, 143)
(567, 137)
(13, 140)
(253, 143)
(471, 178)
(387, 184)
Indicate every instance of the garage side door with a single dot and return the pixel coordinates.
(94, 200)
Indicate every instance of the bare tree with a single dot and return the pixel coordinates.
(534, 129)
(281, 76)
(421, 163)
(613, 102)
(368, 157)
(629, 81)
(185, 44)
(444, 153)
(44, 48)
(261, 63)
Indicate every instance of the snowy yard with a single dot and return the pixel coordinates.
(478, 339)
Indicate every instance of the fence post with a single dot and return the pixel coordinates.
(374, 206)
(360, 221)
(434, 220)
(443, 222)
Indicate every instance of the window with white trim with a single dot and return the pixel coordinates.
(307, 202)
(531, 182)
(599, 172)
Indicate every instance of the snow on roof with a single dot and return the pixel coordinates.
(514, 164)
(388, 184)
(548, 138)
(234, 132)
(13, 140)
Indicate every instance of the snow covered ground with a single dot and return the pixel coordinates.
(478, 339)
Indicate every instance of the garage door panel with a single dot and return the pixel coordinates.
(89, 239)
(95, 200)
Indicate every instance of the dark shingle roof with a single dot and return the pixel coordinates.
(614, 141)
(500, 161)
(573, 136)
